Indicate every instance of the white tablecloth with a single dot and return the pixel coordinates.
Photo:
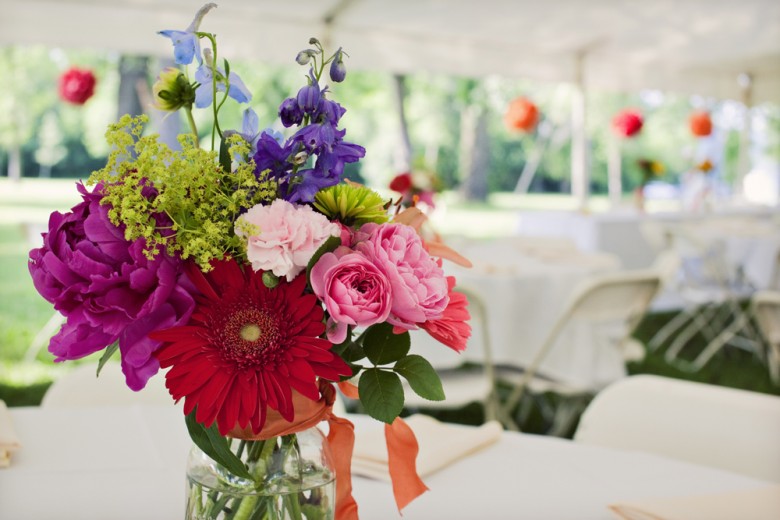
(751, 237)
(127, 462)
(525, 291)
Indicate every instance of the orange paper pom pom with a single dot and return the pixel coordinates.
(522, 115)
(700, 123)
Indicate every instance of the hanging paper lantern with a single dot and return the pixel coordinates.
(77, 85)
(700, 123)
(401, 182)
(627, 123)
(521, 115)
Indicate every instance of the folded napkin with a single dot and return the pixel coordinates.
(8, 440)
(755, 504)
(440, 445)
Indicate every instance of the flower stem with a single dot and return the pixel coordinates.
(193, 127)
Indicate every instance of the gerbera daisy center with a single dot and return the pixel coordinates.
(249, 335)
(250, 332)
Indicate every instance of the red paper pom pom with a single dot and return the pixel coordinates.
(77, 85)
(401, 182)
(521, 115)
(627, 123)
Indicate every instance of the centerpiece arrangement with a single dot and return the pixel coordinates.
(650, 170)
(416, 187)
(258, 278)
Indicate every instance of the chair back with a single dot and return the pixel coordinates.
(731, 429)
(619, 297)
(611, 303)
(766, 309)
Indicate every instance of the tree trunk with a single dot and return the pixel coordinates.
(403, 157)
(15, 162)
(132, 73)
(474, 153)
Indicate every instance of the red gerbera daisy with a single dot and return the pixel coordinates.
(246, 347)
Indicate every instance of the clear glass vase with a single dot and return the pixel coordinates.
(293, 479)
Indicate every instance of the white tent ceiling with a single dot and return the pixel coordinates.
(690, 46)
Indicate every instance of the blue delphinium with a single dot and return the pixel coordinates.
(204, 94)
(186, 45)
(337, 69)
(290, 112)
(318, 139)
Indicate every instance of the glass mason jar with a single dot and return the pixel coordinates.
(293, 479)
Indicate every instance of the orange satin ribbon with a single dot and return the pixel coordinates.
(341, 438)
(402, 449)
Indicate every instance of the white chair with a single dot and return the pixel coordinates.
(731, 429)
(82, 387)
(711, 288)
(462, 385)
(612, 305)
(766, 310)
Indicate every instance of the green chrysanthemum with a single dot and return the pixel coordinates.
(351, 204)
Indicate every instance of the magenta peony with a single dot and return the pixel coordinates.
(107, 289)
(286, 236)
(355, 292)
(77, 85)
(419, 288)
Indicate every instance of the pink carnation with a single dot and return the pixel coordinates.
(287, 237)
(452, 328)
(419, 288)
(355, 292)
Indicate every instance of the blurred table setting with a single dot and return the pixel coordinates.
(127, 461)
(525, 284)
(751, 236)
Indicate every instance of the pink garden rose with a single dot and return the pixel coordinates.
(419, 288)
(355, 292)
(287, 237)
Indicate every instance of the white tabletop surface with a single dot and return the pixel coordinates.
(128, 462)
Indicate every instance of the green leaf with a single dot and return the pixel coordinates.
(215, 446)
(422, 377)
(110, 350)
(330, 244)
(350, 351)
(382, 394)
(224, 155)
(383, 347)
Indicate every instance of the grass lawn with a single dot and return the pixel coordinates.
(23, 312)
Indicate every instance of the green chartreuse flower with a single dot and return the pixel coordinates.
(351, 204)
(172, 91)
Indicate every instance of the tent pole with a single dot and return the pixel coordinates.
(580, 176)
(743, 163)
(614, 171)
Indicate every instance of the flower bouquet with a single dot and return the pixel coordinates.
(259, 280)
(650, 170)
